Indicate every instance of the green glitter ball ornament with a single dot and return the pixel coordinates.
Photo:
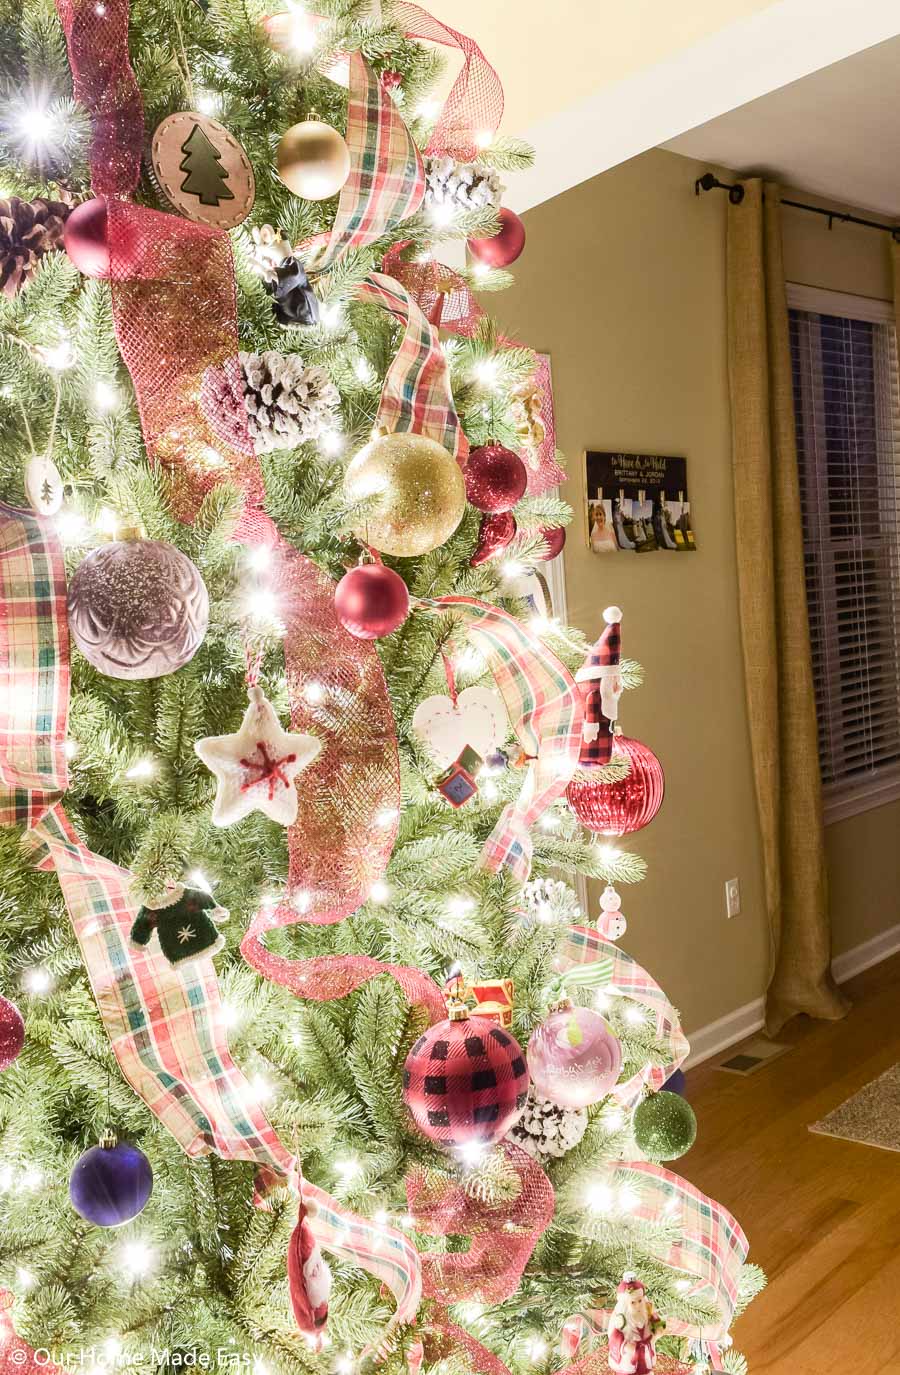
(664, 1126)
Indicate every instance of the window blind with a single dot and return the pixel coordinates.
(847, 404)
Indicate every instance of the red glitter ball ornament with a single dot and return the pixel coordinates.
(501, 248)
(12, 1033)
(496, 478)
(495, 534)
(370, 601)
(465, 1081)
(554, 537)
(86, 238)
(617, 809)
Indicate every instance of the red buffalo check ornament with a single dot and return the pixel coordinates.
(465, 1081)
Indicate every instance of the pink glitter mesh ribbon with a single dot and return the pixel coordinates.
(474, 107)
(104, 83)
(349, 813)
(503, 1236)
(175, 313)
(16, 1356)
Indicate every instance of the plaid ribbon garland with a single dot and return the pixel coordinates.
(709, 1250)
(387, 179)
(416, 395)
(166, 1025)
(586, 946)
(544, 707)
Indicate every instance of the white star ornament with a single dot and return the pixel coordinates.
(255, 768)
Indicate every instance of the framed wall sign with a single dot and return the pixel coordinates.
(637, 503)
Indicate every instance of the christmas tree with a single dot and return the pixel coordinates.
(202, 163)
(323, 1067)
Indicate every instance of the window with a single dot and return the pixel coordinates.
(844, 357)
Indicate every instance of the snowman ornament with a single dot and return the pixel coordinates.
(611, 924)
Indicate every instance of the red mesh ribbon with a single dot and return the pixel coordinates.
(474, 107)
(349, 796)
(503, 1235)
(104, 83)
(440, 293)
(175, 310)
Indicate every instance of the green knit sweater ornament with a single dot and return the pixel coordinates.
(184, 920)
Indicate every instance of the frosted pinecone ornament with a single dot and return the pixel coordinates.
(460, 185)
(547, 1131)
(273, 399)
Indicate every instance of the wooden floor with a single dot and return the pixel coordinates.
(822, 1215)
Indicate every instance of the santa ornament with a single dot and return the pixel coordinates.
(600, 687)
(633, 1329)
(309, 1280)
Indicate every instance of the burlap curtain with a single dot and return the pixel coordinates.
(774, 624)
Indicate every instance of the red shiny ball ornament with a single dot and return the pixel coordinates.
(554, 537)
(495, 534)
(496, 478)
(501, 248)
(86, 238)
(465, 1082)
(617, 809)
(371, 601)
(12, 1033)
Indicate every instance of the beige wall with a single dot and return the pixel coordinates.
(622, 283)
(551, 58)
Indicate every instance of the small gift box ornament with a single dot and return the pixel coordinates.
(494, 1000)
(457, 783)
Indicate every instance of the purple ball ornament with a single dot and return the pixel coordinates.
(12, 1033)
(138, 608)
(110, 1183)
(573, 1057)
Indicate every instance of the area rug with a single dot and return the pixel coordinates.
(871, 1116)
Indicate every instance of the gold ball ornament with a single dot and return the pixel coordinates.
(313, 160)
(416, 490)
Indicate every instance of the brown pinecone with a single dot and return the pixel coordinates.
(28, 230)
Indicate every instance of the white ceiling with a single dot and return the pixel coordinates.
(835, 133)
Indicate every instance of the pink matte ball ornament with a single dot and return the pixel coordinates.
(554, 537)
(502, 248)
(370, 601)
(496, 478)
(86, 238)
(573, 1058)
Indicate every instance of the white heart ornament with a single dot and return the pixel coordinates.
(478, 719)
(43, 485)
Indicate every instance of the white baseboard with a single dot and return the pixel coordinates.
(744, 1021)
(719, 1035)
(862, 957)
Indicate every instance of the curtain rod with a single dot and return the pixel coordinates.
(709, 182)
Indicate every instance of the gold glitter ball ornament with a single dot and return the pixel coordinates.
(138, 608)
(313, 160)
(414, 490)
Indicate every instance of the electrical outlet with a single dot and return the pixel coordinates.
(732, 897)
